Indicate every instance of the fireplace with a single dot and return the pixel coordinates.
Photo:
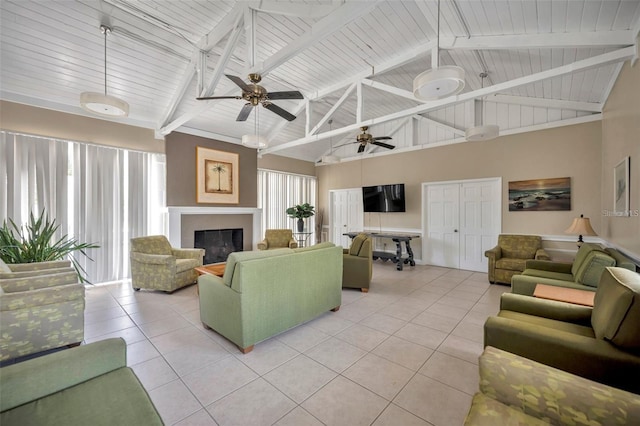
(218, 243)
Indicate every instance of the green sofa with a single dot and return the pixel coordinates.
(87, 385)
(41, 308)
(508, 258)
(518, 391)
(263, 293)
(583, 274)
(600, 343)
(357, 263)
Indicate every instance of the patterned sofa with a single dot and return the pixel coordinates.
(518, 391)
(41, 308)
(155, 265)
(277, 238)
(511, 254)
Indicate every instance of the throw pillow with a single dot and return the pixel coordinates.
(592, 268)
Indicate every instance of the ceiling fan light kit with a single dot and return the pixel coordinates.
(103, 104)
(438, 83)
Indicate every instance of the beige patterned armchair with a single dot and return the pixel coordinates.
(155, 265)
(41, 308)
(510, 256)
(277, 238)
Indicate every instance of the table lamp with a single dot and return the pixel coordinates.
(580, 226)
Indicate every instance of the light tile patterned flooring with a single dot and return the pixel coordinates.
(405, 353)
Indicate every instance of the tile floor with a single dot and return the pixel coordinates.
(403, 354)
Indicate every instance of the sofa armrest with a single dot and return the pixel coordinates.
(293, 243)
(508, 378)
(263, 245)
(36, 378)
(494, 254)
(541, 254)
(551, 309)
(187, 253)
(41, 297)
(153, 259)
(547, 265)
(18, 285)
(39, 266)
(34, 273)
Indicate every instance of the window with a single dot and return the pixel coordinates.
(278, 191)
(96, 194)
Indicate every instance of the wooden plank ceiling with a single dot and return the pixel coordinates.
(548, 62)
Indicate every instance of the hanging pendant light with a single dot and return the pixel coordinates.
(255, 141)
(103, 104)
(438, 82)
(330, 159)
(483, 132)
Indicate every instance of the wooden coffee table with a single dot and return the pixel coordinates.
(212, 269)
(565, 294)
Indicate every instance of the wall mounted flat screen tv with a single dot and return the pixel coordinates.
(383, 198)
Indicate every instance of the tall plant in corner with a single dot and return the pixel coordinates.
(36, 243)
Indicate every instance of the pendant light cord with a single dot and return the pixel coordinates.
(105, 30)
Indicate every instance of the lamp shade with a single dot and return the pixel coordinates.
(254, 141)
(580, 226)
(99, 103)
(482, 133)
(438, 83)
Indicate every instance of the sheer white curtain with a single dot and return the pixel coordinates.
(97, 194)
(277, 191)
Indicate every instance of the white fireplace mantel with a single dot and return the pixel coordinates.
(175, 220)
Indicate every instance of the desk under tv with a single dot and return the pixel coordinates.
(398, 239)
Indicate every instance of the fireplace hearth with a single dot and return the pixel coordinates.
(218, 244)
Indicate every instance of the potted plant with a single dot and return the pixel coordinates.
(36, 243)
(301, 212)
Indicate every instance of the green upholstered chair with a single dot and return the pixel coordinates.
(87, 385)
(41, 308)
(510, 255)
(517, 391)
(600, 343)
(583, 274)
(277, 238)
(155, 265)
(357, 263)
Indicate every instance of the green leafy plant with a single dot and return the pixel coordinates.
(301, 211)
(35, 243)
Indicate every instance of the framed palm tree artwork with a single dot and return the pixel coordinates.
(218, 176)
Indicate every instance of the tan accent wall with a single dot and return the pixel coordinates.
(45, 122)
(285, 164)
(180, 150)
(621, 138)
(572, 151)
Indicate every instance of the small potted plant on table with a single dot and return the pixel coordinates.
(301, 212)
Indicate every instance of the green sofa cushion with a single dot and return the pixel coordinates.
(583, 251)
(239, 256)
(115, 398)
(591, 270)
(511, 264)
(547, 322)
(548, 274)
(616, 308)
(356, 244)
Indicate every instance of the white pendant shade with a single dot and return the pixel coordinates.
(99, 103)
(254, 141)
(438, 83)
(330, 159)
(482, 133)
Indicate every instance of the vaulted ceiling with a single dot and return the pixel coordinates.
(549, 63)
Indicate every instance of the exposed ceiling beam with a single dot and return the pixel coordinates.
(393, 131)
(546, 103)
(585, 64)
(540, 41)
(440, 124)
(300, 10)
(390, 89)
(333, 109)
(302, 104)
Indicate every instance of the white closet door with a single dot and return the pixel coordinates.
(443, 242)
(346, 214)
(479, 228)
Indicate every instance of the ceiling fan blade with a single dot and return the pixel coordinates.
(282, 113)
(206, 98)
(382, 144)
(382, 138)
(240, 83)
(244, 112)
(292, 94)
(361, 148)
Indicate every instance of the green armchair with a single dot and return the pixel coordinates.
(277, 238)
(600, 343)
(518, 391)
(41, 308)
(357, 263)
(510, 255)
(155, 265)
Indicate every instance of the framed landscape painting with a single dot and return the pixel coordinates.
(540, 194)
(621, 188)
(218, 176)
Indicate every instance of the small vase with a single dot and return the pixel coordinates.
(300, 225)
